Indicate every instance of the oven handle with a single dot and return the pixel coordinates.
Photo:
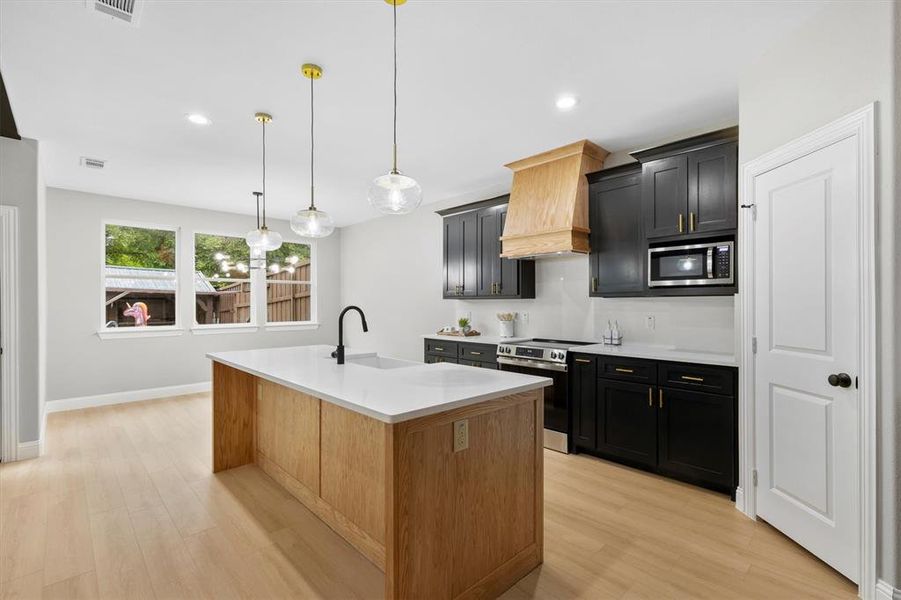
(535, 364)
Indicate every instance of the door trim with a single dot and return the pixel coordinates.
(859, 124)
(9, 332)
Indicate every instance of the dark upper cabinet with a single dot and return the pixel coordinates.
(617, 257)
(461, 255)
(697, 437)
(627, 421)
(473, 266)
(690, 187)
(664, 191)
(713, 189)
(583, 384)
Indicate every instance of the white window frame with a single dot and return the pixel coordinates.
(313, 322)
(151, 331)
(213, 328)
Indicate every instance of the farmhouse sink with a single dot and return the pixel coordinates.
(380, 362)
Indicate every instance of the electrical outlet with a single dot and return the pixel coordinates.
(461, 435)
(649, 322)
(524, 317)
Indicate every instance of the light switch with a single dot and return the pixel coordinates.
(461, 435)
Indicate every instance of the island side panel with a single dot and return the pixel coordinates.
(234, 400)
(287, 426)
(466, 524)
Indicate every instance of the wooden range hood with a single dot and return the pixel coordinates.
(548, 211)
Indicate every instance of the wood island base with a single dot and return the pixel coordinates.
(440, 524)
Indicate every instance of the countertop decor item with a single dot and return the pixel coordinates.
(312, 222)
(454, 332)
(506, 322)
(261, 239)
(395, 193)
(465, 327)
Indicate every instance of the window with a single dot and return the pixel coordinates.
(221, 280)
(289, 283)
(139, 275)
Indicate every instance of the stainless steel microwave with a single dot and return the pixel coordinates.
(690, 265)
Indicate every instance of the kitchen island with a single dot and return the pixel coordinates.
(433, 472)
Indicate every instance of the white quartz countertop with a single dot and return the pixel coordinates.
(476, 339)
(390, 395)
(660, 353)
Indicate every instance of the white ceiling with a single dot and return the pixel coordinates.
(477, 82)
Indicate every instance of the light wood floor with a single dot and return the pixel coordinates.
(123, 505)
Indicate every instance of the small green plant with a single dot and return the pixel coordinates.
(463, 322)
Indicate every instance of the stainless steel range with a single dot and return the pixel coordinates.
(545, 358)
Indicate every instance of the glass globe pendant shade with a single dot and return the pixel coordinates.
(264, 239)
(312, 223)
(395, 194)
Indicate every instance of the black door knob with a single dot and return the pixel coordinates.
(840, 380)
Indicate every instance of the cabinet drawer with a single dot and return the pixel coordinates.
(441, 348)
(476, 363)
(434, 358)
(627, 369)
(702, 378)
(478, 352)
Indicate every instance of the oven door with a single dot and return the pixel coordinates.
(682, 265)
(556, 399)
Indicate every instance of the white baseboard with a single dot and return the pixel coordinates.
(885, 591)
(28, 450)
(124, 397)
(740, 499)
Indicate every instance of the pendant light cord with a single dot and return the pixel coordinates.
(394, 159)
(312, 150)
(264, 173)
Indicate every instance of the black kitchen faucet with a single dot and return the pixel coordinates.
(339, 351)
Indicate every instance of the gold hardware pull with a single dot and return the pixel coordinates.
(691, 221)
(680, 222)
(661, 398)
(493, 288)
(650, 396)
(594, 284)
(690, 378)
(621, 370)
(475, 353)
(583, 360)
(437, 349)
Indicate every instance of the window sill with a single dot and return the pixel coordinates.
(227, 328)
(296, 326)
(115, 333)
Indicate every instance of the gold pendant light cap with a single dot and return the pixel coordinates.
(396, 2)
(262, 117)
(311, 71)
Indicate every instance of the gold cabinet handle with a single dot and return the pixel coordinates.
(680, 222)
(650, 396)
(475, 353)
(583, 360)
(661, 398)
(690, 378)
(594, 284)
(437, 349)
(621, 370)
(691, 221)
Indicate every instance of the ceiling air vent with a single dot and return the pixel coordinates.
(125, 10)
(92, 163)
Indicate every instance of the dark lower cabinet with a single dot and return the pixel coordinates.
(583, 385)
(627, 422)
(680, 432)
(460, 353)
(696, 437)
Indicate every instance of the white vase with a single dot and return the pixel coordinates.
(506, 329)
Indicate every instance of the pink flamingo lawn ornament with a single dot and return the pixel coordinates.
(138, 311)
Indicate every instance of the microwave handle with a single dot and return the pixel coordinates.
(710, 263)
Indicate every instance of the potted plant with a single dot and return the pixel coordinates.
(463, 323)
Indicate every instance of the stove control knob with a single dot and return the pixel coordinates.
(553, 354)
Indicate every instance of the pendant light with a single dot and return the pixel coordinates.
(261, 239)
(395, 193)
(312, 222)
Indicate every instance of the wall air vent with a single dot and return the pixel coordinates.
(124, 10)
(92, 163)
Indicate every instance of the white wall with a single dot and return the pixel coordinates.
(391, 267)
(842, 59)
(21, 186)
(80, 364)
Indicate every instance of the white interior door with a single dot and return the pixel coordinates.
(806, 322)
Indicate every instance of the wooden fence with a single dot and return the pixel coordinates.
(284, 301)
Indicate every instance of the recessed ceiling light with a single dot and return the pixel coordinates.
(566, 102)
(198, 119)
